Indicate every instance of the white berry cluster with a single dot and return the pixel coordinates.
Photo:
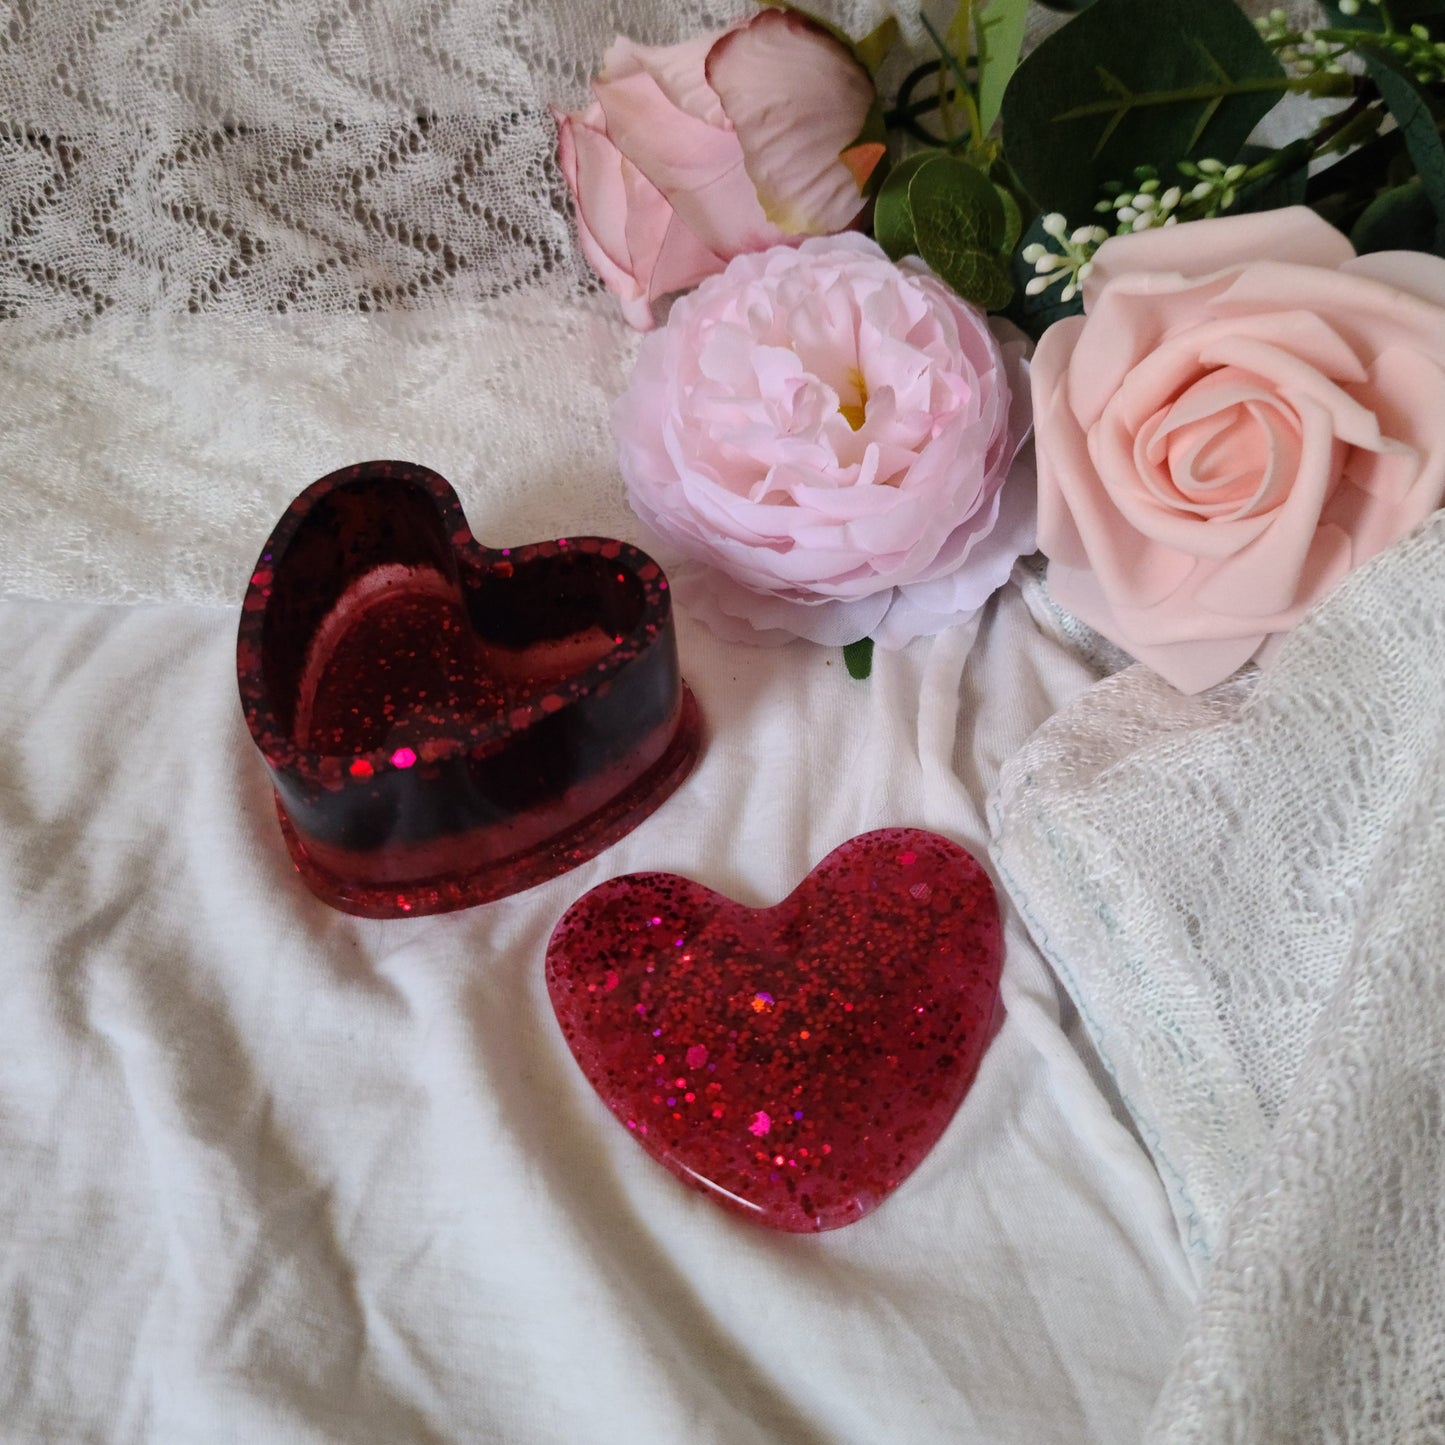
(1214, 186)
(1070, 264)
(1425, 58)
(1143, 206)
(1141, 209)
(1308, 53)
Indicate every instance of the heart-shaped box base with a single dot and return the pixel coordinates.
(446, 723)
(794, 1063)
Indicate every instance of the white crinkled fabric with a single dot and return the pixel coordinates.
(1242, 890)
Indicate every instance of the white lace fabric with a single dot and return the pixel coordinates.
(1242, 891)
(243, 244)
(328, 156)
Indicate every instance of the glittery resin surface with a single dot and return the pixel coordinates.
(794, 1063)
(445, 723)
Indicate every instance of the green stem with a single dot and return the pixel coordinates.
(1298, 85)
(1297, 153)
(1348, 38)
(965, 91)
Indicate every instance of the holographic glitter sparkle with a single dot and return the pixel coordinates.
(795, 1063)
(445, 724)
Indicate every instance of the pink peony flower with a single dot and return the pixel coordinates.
(691, 154)
(1245, 412)
(830, 434)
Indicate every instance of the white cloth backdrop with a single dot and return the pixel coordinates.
(267, 1172)
(271, 1173)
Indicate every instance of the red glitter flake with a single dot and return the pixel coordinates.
(479, 675)
(850, 1104)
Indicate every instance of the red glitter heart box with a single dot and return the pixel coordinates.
(446, 723)
(795, 1063)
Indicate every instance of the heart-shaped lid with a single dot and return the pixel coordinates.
(794, 1063)
(447, 723)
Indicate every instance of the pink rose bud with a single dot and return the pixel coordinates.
(1245, 412)
(692, 154)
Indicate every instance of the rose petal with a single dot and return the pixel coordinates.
(792, 150)
(1131, 329)
(1415, 273)
(593, 169)
(681, 260)
(1369, 314)
(679, 71)
(1398, 487)
(1296, 380)
(1191, 663)
(1292, 233)
(696, 166)
(1269, 574)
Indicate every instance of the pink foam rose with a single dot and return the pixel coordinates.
(1245, 412)
(829, 433)
(691, 154)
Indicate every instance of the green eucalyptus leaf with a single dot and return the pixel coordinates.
(892, 217)
(1341, 193)
(1284, 188)
(1400, 219)
(1419, 115)
(948, 193)
(858, 658)
(1013, 219)
(961, 225)
(1000, 27)
(1404, 14)
(1130, 83)
(977, 276)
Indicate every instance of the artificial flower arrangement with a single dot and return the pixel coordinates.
(1239, 376)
